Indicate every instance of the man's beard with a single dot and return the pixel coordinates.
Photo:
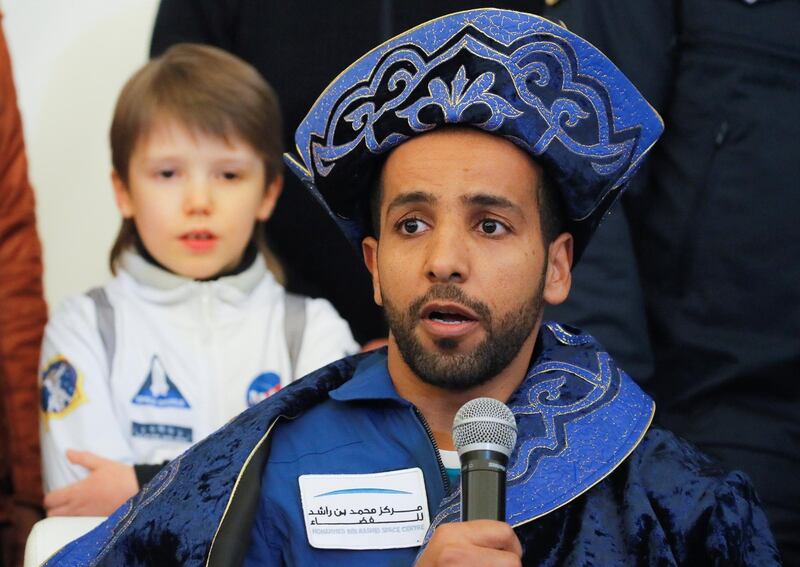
(462, 371)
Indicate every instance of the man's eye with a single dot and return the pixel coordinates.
(412, 226)
(493, 227)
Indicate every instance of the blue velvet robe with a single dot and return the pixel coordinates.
(589, 483)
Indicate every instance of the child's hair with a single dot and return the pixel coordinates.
(204, 89)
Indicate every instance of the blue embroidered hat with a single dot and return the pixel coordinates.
(514, 74)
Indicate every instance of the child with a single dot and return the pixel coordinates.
(194, 328)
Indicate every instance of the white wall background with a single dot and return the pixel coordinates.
(70, 59)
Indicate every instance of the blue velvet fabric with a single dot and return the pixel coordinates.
(665, 504)
(510, 73)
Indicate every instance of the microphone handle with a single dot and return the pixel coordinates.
(483, 486)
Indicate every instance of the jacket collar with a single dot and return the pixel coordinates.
(155, 277)
(370, 382)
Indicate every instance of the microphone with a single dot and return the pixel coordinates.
(484, 434)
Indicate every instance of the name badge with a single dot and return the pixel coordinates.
(386, 510)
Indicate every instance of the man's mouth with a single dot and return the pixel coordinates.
(448, 314)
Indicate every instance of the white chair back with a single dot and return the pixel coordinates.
(51, 534)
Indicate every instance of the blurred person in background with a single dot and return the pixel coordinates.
(195, 327)
(705, 245)
(23, 314)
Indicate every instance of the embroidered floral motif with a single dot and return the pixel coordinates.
(461, 96)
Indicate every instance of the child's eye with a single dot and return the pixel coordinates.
(230, 175)
(412, 225)
(166, 173)
(492, 227)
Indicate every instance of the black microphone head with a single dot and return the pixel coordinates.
(484, 424)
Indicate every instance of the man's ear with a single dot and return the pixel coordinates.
(121, 195)
(270, 198)
(369, 247)
(558, 277)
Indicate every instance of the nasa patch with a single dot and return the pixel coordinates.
(262, 387)
(62, 388)
(159, 390)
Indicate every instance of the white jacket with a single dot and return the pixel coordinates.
(167, 360)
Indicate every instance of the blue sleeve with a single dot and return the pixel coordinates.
(711, 517)
(738, 531)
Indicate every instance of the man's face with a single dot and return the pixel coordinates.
(460, 267)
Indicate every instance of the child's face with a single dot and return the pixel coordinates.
(195, 198)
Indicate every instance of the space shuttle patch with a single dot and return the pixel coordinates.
(159, 390)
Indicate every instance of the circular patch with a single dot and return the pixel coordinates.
(61, 387)
(262, 387)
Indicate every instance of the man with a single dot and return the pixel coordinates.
(482, 149)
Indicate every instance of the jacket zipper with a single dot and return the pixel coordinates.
(442, 470)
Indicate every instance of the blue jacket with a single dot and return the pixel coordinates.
(587, 482)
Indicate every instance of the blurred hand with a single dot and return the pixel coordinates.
(473, 544)
(107, 487)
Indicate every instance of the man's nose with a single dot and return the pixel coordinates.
(447, 255)
(198, 198)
